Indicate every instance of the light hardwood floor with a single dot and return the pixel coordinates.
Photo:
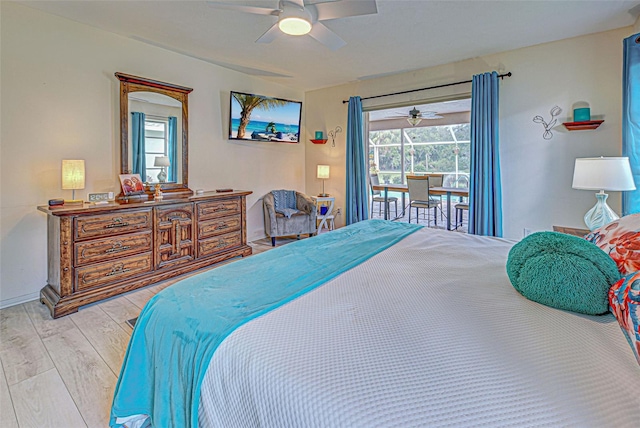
(62, 373)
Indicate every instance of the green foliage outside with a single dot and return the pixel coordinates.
(426, 157)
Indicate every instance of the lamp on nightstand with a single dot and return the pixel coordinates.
(602, 174)
(323, 173)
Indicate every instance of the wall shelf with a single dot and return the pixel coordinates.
(319, 141)
(580, 126)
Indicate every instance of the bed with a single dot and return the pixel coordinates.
(426, 330)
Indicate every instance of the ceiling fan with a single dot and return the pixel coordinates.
(295, 18)
(415, 116)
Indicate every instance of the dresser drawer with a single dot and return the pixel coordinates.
(111, 224)
(104, 249)
(219, 243)
(215, 227)
(118, 270)
(220, 208)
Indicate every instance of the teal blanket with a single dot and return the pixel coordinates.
(181, 327)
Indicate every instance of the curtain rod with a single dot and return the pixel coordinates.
(501, 76)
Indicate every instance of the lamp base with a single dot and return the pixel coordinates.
(73, 202)
(323, 195)
(162, 176)
(600, 214)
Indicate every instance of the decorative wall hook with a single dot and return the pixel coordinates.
(555, 111)
(333, 134)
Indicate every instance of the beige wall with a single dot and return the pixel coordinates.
(536, 173)
(60, 101)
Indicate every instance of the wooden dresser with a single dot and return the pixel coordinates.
(99, 251)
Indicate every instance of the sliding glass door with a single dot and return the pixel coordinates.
(394, 153)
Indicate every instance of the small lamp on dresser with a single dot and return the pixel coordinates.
(603, 173)
(163, 163)
(73, 177)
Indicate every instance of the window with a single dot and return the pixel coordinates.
(439, 145)
(156, 137)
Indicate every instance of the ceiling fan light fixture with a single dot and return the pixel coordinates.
(414, 120)
(294, 26)
(294, 21)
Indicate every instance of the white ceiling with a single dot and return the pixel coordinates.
(402, 36)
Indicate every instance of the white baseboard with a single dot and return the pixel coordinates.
(257, 238)
(19, 300)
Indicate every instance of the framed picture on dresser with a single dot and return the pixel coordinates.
(131, 184)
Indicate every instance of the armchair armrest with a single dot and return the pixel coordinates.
(306, 204)
(270, 223)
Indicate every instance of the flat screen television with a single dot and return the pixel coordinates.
(260, 118)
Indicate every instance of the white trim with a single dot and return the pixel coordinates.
(18, 300)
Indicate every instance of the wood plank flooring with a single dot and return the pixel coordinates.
(62, 373)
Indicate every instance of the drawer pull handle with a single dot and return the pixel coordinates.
(117, 247)
(117, 222)
(222, 225)
(118, 270)
(228, 207)
(221, 243)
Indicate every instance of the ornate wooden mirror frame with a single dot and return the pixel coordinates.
(130, 84)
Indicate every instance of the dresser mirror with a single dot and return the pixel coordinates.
(154, 138)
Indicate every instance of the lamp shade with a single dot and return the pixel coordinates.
(72, 174)
(161, 161)
(323, 171)
(603, 173)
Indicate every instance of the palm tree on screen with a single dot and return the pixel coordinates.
(250, 102)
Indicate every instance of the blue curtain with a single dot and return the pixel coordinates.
(357, 199)
(631, 118)
(172, 176)
(137, 145)
(485, 192)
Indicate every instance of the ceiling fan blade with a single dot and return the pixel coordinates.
(429, 115)
(246, 9)
(344, 8)
(270, 34)
(327, 37)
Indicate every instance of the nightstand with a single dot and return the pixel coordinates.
(571, 231)
(325, 220)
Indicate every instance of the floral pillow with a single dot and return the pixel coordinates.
(624, 302)
(621, 240)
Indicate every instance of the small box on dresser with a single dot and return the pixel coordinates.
(96, 252)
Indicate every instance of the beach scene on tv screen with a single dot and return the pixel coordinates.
(260, 118)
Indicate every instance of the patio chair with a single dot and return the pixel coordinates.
(419, 198)
(376, 196)
(460, 209)
(437, 180)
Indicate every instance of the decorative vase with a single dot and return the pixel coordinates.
(162, 176)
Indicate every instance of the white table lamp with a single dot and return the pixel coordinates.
(163, 163)
(73, 177)
(602, 174)
(323, 174)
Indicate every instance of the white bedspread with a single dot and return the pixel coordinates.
(427, 333)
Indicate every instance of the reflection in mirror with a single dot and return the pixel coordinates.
(153, 137)
(154, 133)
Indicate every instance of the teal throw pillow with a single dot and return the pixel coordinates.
(562, 271)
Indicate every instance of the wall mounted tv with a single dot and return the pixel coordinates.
(260, 118)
